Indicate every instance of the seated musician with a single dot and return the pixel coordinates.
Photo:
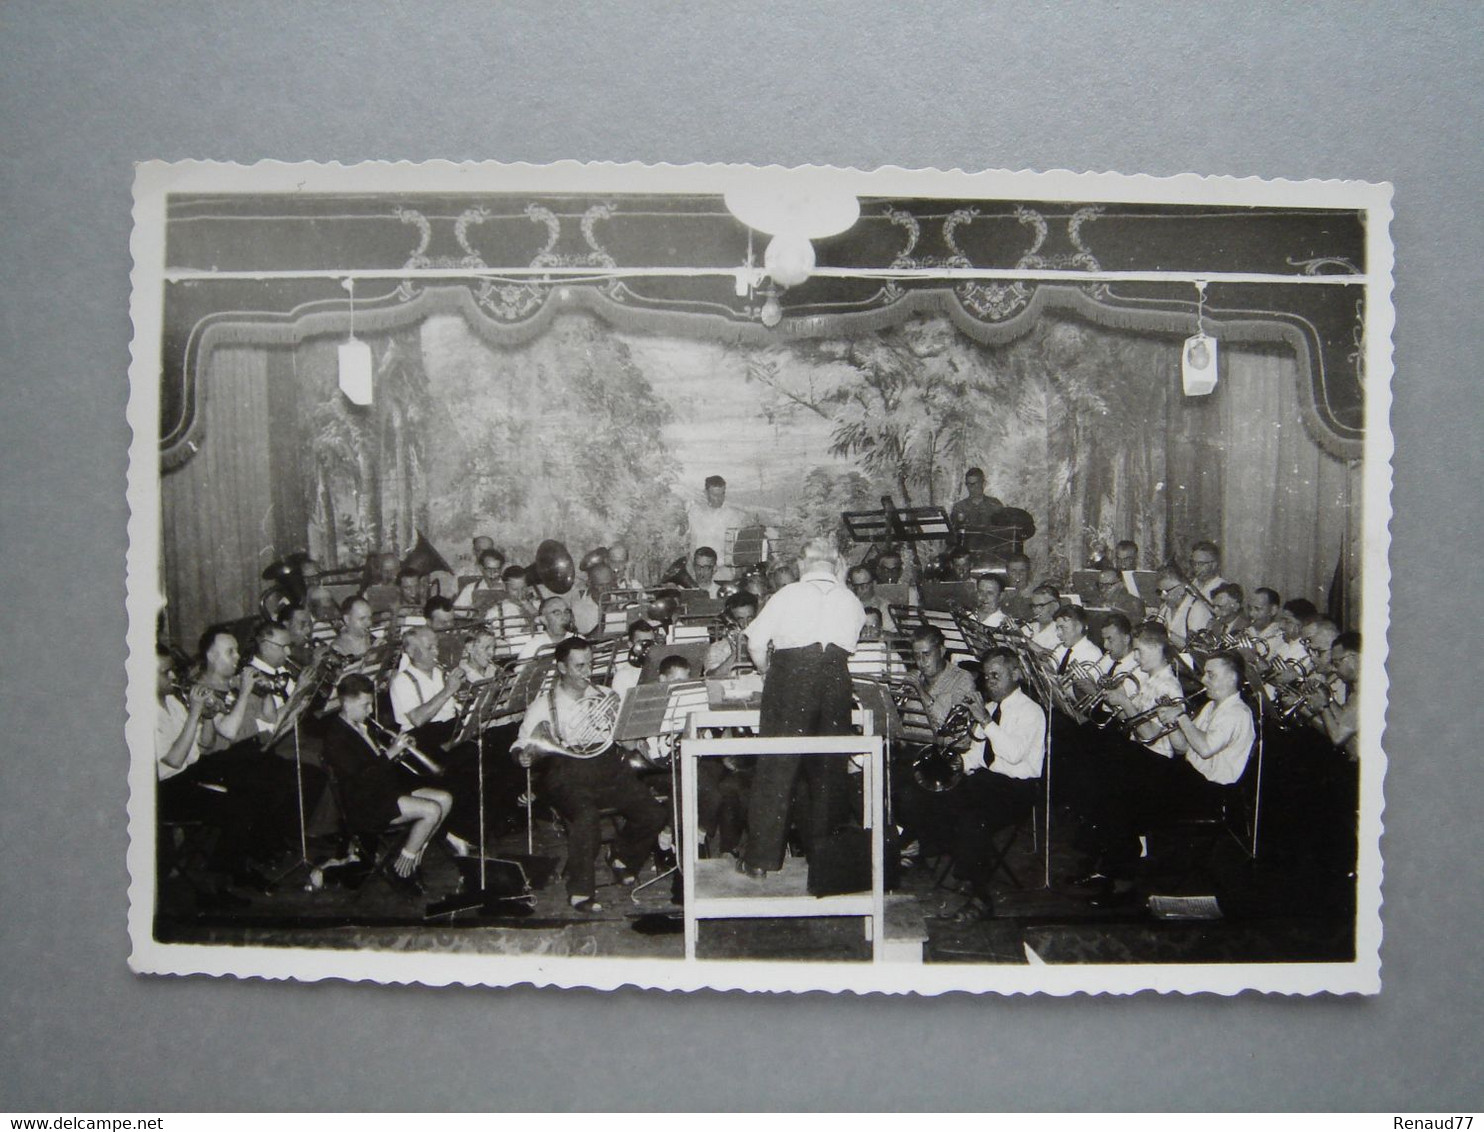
(478, 659)
(259, 815)
(625, 576)
(317, 597)
(515, 614)
(941, 687)
(1018, 578)
(727, 656)
(989, 590)
(565, 728)
(355, 638)
(862, 582)
(1075, 650)
(785, 574)
(888, 568)
(189, 789)
(1118, 644)
(556, 624)
(1126, 555)
(1045, 600)
(1292, 618)
(586, 602)
(1113, 594)
(1231, 619)
(488, 589)
(382, 589)
(439, 616)
(959, 564)
(272, 684)
(1205, 568)
(1143, 790)
(626, 673)
(701, 574)
(422, 695)
(872, 629)
(296, 621)
(1338, 717)
(412, 590)
(1263, 625)
(371, 791)
(1182, 611)
(1002, 776)
(466, 565)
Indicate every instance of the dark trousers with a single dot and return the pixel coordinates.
(985, 803)
(249, 794)
(580, 789)
(721, 803)
(806, 692)
(1139, 790)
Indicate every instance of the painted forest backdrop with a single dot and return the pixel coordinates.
(591, 434)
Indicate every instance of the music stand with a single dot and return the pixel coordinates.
(652, 710)
(477, 715)
(288, 720)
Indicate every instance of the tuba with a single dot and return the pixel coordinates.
(424, 559)
(554, 567)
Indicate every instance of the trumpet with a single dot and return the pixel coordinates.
(1213, 640)
(409, 756)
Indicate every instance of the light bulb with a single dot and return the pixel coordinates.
(789, 259)
(772, 312)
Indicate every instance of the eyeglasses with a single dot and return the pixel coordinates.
(1042, 604)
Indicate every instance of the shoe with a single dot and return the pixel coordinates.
(586, 905)
(976, 911)
(624, 875)
(664, 859)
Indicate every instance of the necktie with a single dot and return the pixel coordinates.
(994, 716)
(1066, 659)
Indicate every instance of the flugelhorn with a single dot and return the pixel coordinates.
(1131, 724)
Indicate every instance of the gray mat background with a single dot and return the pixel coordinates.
(1378, 92)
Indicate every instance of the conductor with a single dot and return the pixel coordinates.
(800, 642)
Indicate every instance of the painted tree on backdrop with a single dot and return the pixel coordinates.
(560, 438)
(1064, 420)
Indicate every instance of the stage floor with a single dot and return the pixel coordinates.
(1281, 908)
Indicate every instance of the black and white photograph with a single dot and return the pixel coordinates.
(716, 576)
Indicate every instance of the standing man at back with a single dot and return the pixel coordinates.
(973, 516)
(710, 520)
(800, 642)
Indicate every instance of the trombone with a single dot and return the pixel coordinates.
(1100, 690)
(410, 758)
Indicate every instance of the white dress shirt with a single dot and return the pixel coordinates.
(1018, 740)
(1229, 724)
(818, 609)
(411, 688)
(170, 721)
(1083, 652)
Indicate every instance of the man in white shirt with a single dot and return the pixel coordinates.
(488, 589)
(1181, 611)
(709, 521)
(999, 794)
(989, 590)
(626, 672)
(556, 624)
(581, 785)
(1216, 745)
(801, 641)
(422, 696)
(1205, 568)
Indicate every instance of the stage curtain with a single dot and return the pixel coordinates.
(1290, 509)
(217, 509)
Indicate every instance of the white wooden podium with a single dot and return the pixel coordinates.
(714, 890)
